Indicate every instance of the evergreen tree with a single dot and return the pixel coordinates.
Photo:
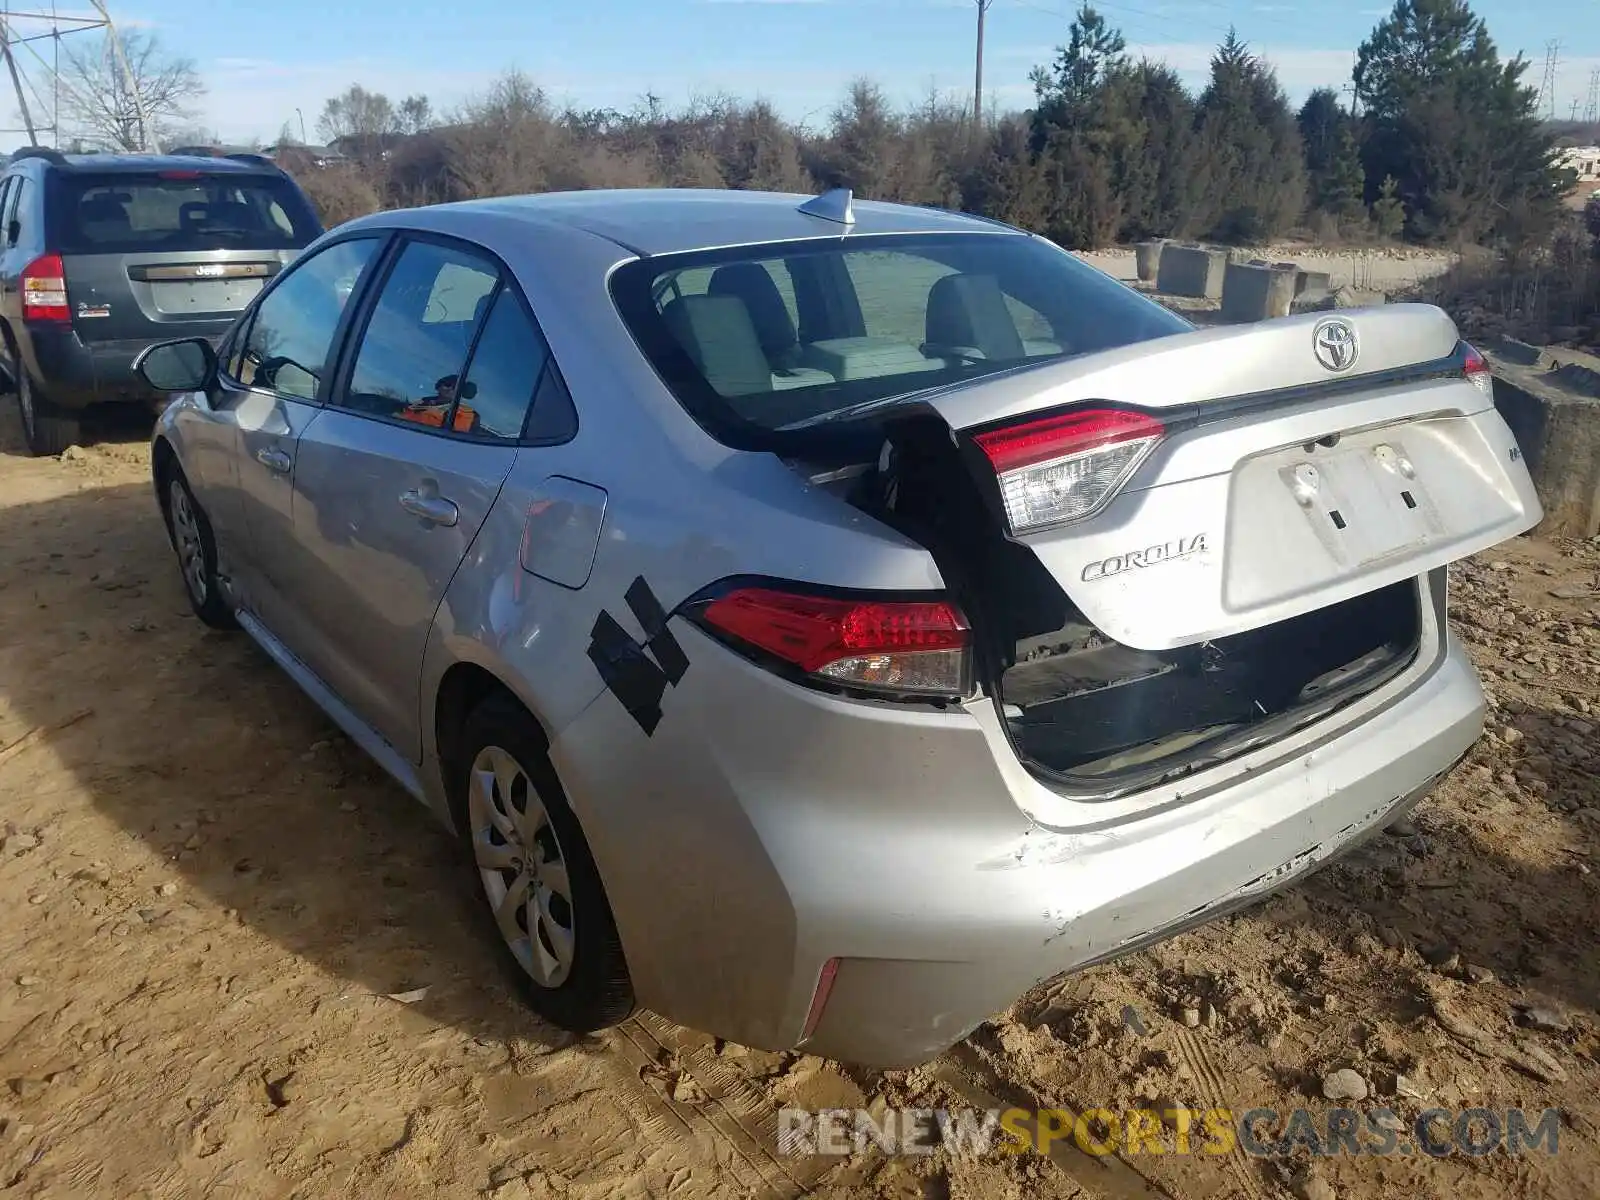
(1455, 127)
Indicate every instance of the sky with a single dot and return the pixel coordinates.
(268, 64)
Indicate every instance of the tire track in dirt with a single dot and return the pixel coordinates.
(1213, 1094)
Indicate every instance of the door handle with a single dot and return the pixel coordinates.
(430, 507)
(274, 460)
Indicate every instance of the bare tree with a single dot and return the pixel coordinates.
(127, 101)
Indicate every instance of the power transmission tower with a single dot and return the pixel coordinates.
(1575, 103)
(1547, 89)
(1591, 111)
(977, 84)
(19, 33)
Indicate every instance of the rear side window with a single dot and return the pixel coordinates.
(758, 339)
(179, 210)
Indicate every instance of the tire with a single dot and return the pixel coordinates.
(46, 429)
(196, 548)
(570, 969)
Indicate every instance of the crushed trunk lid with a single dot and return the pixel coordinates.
(1276, 483)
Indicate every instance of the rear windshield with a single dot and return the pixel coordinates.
(765, 338)
(183, 211)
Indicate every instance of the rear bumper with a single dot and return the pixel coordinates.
(73, 373)
(764, 829)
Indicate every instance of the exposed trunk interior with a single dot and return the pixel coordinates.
(1084, 709)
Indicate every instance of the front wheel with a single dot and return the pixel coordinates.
(541, 889)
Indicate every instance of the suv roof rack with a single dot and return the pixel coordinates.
(45, 152)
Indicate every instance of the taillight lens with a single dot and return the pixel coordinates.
(893, 647)
(44, 290)
(1063, 467)
(1476, 369)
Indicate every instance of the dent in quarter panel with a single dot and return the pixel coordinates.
(563, 530)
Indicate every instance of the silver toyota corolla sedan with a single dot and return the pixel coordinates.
(822, 621)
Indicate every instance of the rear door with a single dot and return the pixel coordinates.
(172, 253)
(1208, 483)
(396, 475)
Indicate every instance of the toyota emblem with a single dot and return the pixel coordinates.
(1336, 344)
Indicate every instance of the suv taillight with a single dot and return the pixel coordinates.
(1059, 468)
(1476, 368)
(856, 642)
(44, 290)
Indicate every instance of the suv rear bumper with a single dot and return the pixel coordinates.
(764, 829)
(73, 373)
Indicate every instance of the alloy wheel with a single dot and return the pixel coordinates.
(523, 869)
(191, 550)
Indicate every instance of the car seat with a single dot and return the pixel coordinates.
(967, 318)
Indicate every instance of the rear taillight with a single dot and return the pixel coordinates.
(1476, 369)
(44, 290)
(889, 647)
(1057, 469)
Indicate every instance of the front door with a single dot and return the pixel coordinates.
(271, 386)
(394, 478)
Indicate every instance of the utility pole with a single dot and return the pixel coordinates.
(1575, 103)
(977, 84)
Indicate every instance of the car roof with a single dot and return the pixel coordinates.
(117, 164)
(650, 221)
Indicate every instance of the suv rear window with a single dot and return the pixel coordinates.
(760, 339)
(183, 211)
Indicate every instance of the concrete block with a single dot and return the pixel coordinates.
(1340, 297)
(1192, 271)
(1252, 293)
(1576, 377)
(1558, 433)
(1147, 259)
(1519, 352)
(1313, 285)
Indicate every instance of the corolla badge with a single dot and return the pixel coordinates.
(1148, 556)
(1336, 345)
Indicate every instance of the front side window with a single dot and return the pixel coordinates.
(759, 339)
(414, 350)
(292, 331)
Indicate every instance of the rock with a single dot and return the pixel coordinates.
(20, 843)
(1441, 955)
(1479, 974)
(28, 981)
(36, 898)
(1191, 1018)
(1308, 1185)
(1402, 828)
(1545, 1017)
(1133, 1022)
(167, 889)
(1344, 1084)
(25, 1088)
(1409, 1088)
(1500, 565)
(74, 454)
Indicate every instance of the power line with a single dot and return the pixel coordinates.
(1591, 111)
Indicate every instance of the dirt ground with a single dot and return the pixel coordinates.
(236, 961)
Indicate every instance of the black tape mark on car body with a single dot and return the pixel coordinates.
(633, 676)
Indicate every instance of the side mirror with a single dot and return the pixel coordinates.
(185, 365)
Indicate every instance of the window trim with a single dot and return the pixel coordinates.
(505, 281)
(246, 320)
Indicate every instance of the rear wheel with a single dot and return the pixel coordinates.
(196, 548)
(46, 429)
(542, 891)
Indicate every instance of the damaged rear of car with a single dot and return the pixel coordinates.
(1188, 638)
(1171, 544)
